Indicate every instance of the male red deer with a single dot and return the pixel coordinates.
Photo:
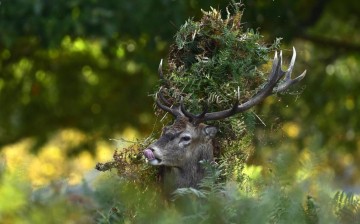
(188, 140)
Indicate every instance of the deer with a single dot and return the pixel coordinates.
(188, 141)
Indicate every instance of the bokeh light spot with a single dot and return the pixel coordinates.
(291, 129)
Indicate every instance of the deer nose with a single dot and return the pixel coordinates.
(149, 154)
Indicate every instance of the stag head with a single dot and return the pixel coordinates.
(188, 140)
(185, 142)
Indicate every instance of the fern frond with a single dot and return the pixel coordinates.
(347, 207)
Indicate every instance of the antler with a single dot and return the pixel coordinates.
(163, 103)
(176, 111)
(270, 87)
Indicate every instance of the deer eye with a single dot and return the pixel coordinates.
(186, 138)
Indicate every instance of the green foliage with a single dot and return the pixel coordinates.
(20, 204)
(94, 19)
(130, 164)
(214, 57)
(347, 207)
(311, 211)
(118, 197)
(277, 196)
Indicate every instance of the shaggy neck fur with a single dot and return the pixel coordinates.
(191, 173)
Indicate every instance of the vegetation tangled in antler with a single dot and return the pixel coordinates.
(213, 58)
(213, 63)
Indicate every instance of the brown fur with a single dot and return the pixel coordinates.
(180, 149)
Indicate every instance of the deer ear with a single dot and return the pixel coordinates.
(210, 131)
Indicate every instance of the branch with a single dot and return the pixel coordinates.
(339, 45)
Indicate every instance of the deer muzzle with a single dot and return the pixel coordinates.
(149, 155)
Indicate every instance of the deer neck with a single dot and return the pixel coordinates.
(191, 172)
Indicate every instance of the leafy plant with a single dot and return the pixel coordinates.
(214, 58)
(347, 207)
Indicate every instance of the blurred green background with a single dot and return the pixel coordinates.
(85, 69)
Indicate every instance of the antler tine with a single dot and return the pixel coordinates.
(161, 75)
(160, 70)
(196, 119)
(162, 98)
(160, 105)
(288, 81)
(184, 111)
(205, 110)
(275, 66)
(282, 73)
(275, 75)
(237, 101)
(174, 111)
